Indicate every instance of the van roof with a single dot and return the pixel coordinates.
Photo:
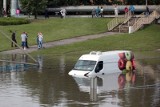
(107, 52)
(95, 55)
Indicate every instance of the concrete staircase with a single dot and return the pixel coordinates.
(131, 24)
(124, 27)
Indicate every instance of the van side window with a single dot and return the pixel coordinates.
(99, 66)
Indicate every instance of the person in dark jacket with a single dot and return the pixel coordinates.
(26, 40)
(13, 39)
(147, 11)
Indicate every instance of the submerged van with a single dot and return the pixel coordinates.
(98, 63)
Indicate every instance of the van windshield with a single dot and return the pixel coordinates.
(85, 65)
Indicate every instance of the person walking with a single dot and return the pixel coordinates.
(126, 11)
(13, 39)
(63, 13)
(26, 40)
(97, 11)
(147, 11)
(116, 11)
(40, 40)
(132, 9)
(3, 12)
(23, 38)
(101, 11)
(37, 40)
(46, 14)
(17, 12)
(93, 12)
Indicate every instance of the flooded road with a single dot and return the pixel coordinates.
(49, 84)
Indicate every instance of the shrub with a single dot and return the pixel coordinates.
(13, 21)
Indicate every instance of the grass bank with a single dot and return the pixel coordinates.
(54, 29)
(147, 39)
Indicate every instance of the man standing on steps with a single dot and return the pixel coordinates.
(147, 11)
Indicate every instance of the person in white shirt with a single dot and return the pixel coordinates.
(101, 12)
(116, 11)
(63, 13)
(40, 40)
(23, 38)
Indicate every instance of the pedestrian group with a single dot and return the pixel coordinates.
(99, 12)
(24, 40)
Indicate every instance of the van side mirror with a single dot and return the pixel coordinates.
(99, 66)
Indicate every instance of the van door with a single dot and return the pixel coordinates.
(99, 66)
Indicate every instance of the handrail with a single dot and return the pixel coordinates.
(138, 23)
(114, 22)
(127, 18)
(145, 20)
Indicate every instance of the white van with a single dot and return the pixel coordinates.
(97, 63)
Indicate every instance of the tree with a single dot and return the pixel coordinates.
(33, 6)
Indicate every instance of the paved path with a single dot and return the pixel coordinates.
(59, 42)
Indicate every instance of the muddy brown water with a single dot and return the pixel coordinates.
(49, 85)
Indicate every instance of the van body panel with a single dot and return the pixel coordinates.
(106, 63)
(77, 73)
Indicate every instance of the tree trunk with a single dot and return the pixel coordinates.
(35, 14)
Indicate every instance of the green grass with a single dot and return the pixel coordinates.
(147, 39)
(54, 29)
(144, 43)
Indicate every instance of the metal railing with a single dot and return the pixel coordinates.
(127, 18)
(114, 22)
(144, 19)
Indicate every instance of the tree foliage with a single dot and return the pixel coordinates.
(36, 6)
(56, 3)
(33, 6)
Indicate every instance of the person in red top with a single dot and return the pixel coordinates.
(126, 11)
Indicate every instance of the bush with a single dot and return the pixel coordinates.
(13, 21)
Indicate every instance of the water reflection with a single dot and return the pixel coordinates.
(14, 63)
(62, 64)
(50, 85)
(40, 62)
(105, 83)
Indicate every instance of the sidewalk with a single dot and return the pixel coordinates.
(59, 43)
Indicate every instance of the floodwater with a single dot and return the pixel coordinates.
(49, 84)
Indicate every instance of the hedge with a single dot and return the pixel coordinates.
(13, 21)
